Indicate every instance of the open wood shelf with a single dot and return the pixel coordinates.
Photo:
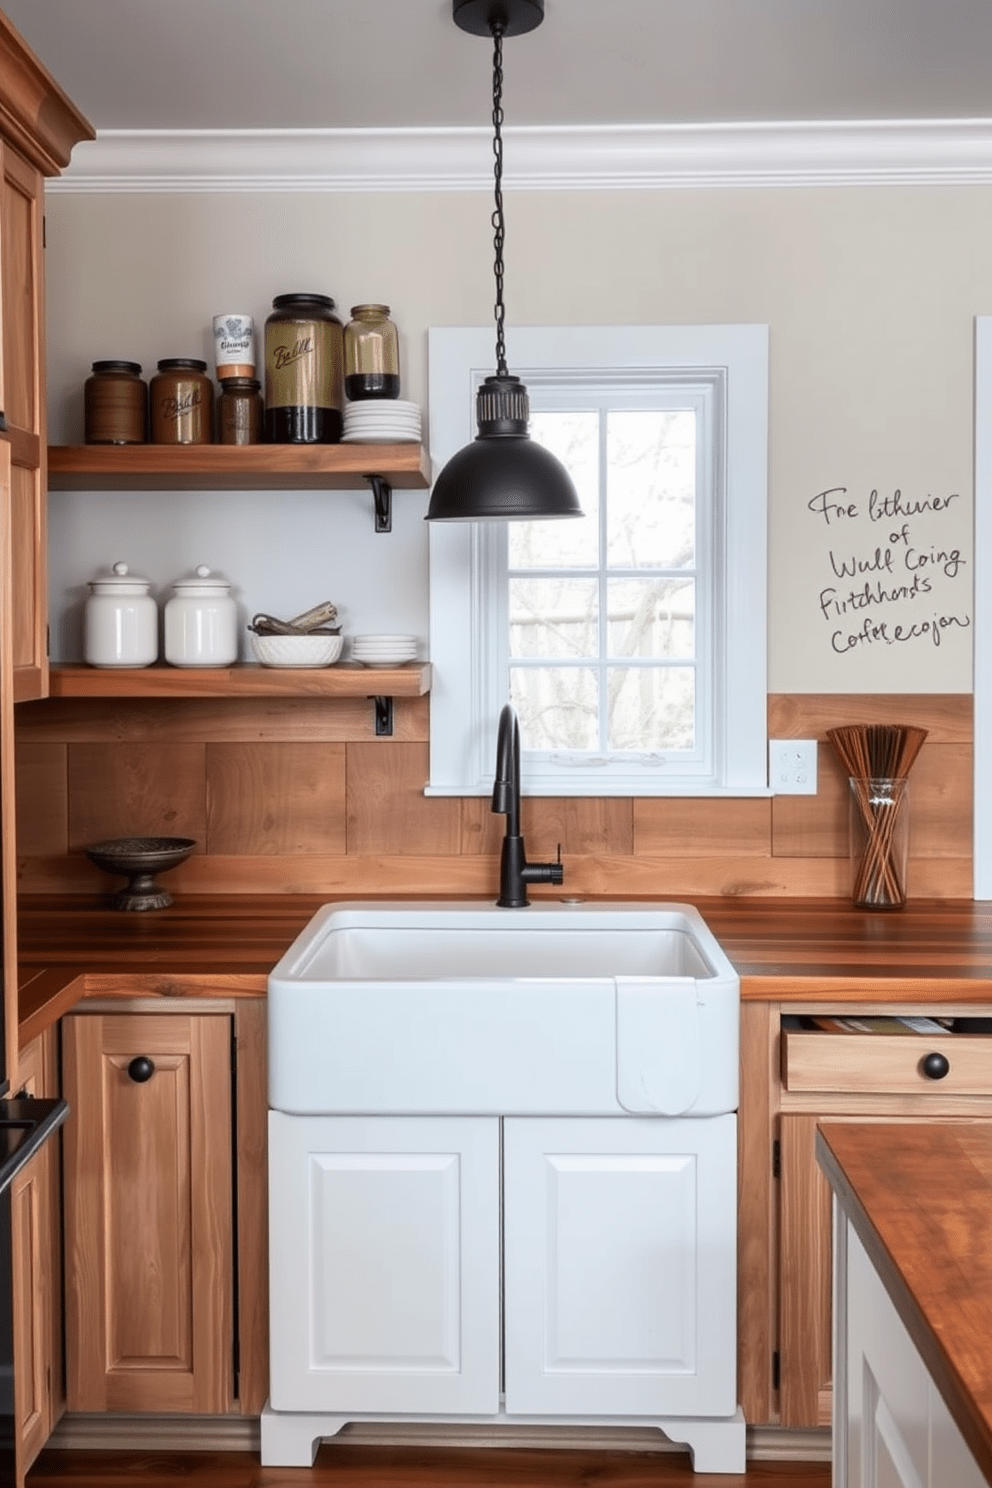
(241, 680)
(226, 467)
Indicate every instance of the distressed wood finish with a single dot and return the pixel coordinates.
(340, 1465)
(103, 758)
(757, 1230)
(217, 467)
(34, 112)
(885, 1063)
(22, 398)
(919, 1197)
(276, 800)
(804, 1279)
(785, 951)
(148, 1214)
(251, 1168)
(243, 680)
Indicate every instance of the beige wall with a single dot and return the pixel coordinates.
(870, 296)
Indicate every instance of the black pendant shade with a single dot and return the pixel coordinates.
(502, 475)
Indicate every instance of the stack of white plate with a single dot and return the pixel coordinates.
(384, 650)
(381, 421)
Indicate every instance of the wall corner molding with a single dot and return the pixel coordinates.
(616, 157)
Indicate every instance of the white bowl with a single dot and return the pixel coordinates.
(297, 651)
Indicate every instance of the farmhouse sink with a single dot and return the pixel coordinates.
(563, 1008)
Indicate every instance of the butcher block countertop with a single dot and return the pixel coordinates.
(930, 951)
(919, 1196)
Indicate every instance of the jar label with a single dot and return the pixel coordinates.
(182, 410)
(302, 366)
(184, 403)
(234, 341)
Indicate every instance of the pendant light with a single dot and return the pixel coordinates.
(502, 474)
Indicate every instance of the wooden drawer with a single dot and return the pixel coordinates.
(885, 1064)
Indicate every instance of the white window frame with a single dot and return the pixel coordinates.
(467, 606)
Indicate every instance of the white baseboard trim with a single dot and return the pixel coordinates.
(104, 1433)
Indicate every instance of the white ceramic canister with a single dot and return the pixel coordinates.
(201, 621)
(120, 622)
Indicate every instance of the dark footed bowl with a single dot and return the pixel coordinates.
(138, 859)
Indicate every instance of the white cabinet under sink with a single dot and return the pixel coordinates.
(503, 1173)
(596, 1256)
(384, 1291)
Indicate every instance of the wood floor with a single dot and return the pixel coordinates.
(409, 1467)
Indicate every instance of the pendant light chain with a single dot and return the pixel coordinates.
(499, 229)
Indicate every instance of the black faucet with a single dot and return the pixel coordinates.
(515, 873)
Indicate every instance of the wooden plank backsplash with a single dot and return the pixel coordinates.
(300, 796)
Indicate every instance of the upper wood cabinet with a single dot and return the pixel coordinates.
(22, 403)
(38, 128)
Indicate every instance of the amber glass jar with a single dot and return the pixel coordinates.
(115, 404)
(304, 371)
(371, 354)
(181, 396)
(239, 411)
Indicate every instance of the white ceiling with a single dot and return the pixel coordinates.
(325, 64)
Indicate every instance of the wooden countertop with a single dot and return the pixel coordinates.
(920, 1197)
(932, 951)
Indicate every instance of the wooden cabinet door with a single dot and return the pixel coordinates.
(384, 1264)
(148, 1212)
(36, 1256)
(804, 1279)
(22, 400)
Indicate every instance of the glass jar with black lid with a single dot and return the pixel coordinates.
(239, 411)
(371, 354)
(304, 371)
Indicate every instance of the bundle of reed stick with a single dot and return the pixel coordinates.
(874, 754)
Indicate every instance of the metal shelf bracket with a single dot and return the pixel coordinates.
(383, 716)
(382, 493)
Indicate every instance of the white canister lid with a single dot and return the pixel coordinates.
(203, 580)
(119, 580)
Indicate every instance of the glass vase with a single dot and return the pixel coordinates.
(879, 841)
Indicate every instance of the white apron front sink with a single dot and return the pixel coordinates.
(566, 1009)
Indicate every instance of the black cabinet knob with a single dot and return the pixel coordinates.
(935, 1066)
(141, 1069)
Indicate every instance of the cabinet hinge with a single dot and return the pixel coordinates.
(776, 1158)
(776, 1369)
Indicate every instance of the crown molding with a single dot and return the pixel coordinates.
(615, 157)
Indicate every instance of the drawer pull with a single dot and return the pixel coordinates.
(142, 1068)
(935, 1066)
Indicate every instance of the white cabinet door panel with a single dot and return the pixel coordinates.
(620, 1266)
(384, 1263)
(899, 1433)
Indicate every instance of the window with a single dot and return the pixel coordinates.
(631, 641)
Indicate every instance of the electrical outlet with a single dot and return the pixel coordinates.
(792, 766)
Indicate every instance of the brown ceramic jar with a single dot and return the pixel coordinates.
(181, 398)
